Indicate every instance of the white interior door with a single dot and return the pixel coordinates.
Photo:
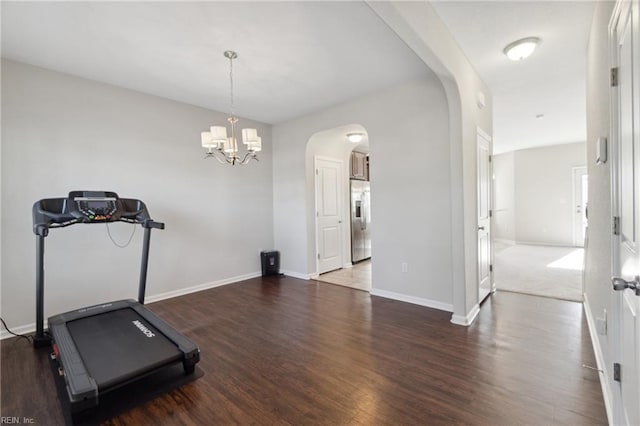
(580, 199)
(626, 173)
(329, 213)
(484, 216)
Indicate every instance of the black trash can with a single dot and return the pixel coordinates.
(270, 263)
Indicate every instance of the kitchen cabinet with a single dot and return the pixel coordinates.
(359, 165)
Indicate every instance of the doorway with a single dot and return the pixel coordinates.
(540, 219)
(331, 168)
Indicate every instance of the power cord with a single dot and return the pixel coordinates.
(24, 336)
(114, 241)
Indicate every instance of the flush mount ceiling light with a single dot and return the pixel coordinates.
(355, 137)
(223, 148)
(522, 48)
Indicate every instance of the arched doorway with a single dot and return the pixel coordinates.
(341, 217)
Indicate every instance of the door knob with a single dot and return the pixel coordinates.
(480, 228)
(620, 283)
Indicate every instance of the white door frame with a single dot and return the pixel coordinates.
(622, 300)
(577, 171)
(340, 196)
(484, 135)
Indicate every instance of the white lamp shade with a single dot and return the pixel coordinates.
(207, 142)
(249, 136)
(217, 139)
(255, 146)
(218, 134)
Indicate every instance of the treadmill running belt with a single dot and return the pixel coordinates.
(119, 345)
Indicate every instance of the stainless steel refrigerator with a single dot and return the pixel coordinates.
(360, 220)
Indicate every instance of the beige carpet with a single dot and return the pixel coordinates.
(539, 270)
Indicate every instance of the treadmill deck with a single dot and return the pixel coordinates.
(119, 345)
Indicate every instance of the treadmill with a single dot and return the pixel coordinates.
(103, 347)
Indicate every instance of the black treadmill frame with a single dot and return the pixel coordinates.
(82, 389)
(51, 213)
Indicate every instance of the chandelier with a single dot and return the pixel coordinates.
(223, 148)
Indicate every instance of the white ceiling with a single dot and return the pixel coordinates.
(550, 82)
(299, 57)
(294, 57)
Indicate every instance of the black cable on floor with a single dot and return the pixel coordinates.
(24, 336)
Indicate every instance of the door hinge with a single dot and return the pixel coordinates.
(316, 171)
(318, 256)
(490, 158)
(490, 268)
(490, 213)
(616, 372)
(614, 77)
(616, 225)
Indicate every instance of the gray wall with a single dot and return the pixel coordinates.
(62, 133)
(543, 193)
(421, 28)
(407, 127)
(599, 297)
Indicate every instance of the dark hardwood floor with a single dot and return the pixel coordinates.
(287, 351)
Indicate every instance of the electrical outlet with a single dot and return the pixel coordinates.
(405, 267)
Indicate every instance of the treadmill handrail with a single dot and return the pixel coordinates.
(56, 213)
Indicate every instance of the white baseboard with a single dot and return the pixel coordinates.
(539, 243)
(30, 328)
(298, 275)
(468, 319)
(412, 299)
(21, 329)
(600, 362)
(201, 287)
(504, 241)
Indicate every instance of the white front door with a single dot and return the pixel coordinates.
(329, 213)
(626, 207)
(580, 199)
(484, 216)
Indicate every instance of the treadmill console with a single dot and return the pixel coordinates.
(89, 207)
(93, 206)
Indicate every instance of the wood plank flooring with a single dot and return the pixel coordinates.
(287, 351)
